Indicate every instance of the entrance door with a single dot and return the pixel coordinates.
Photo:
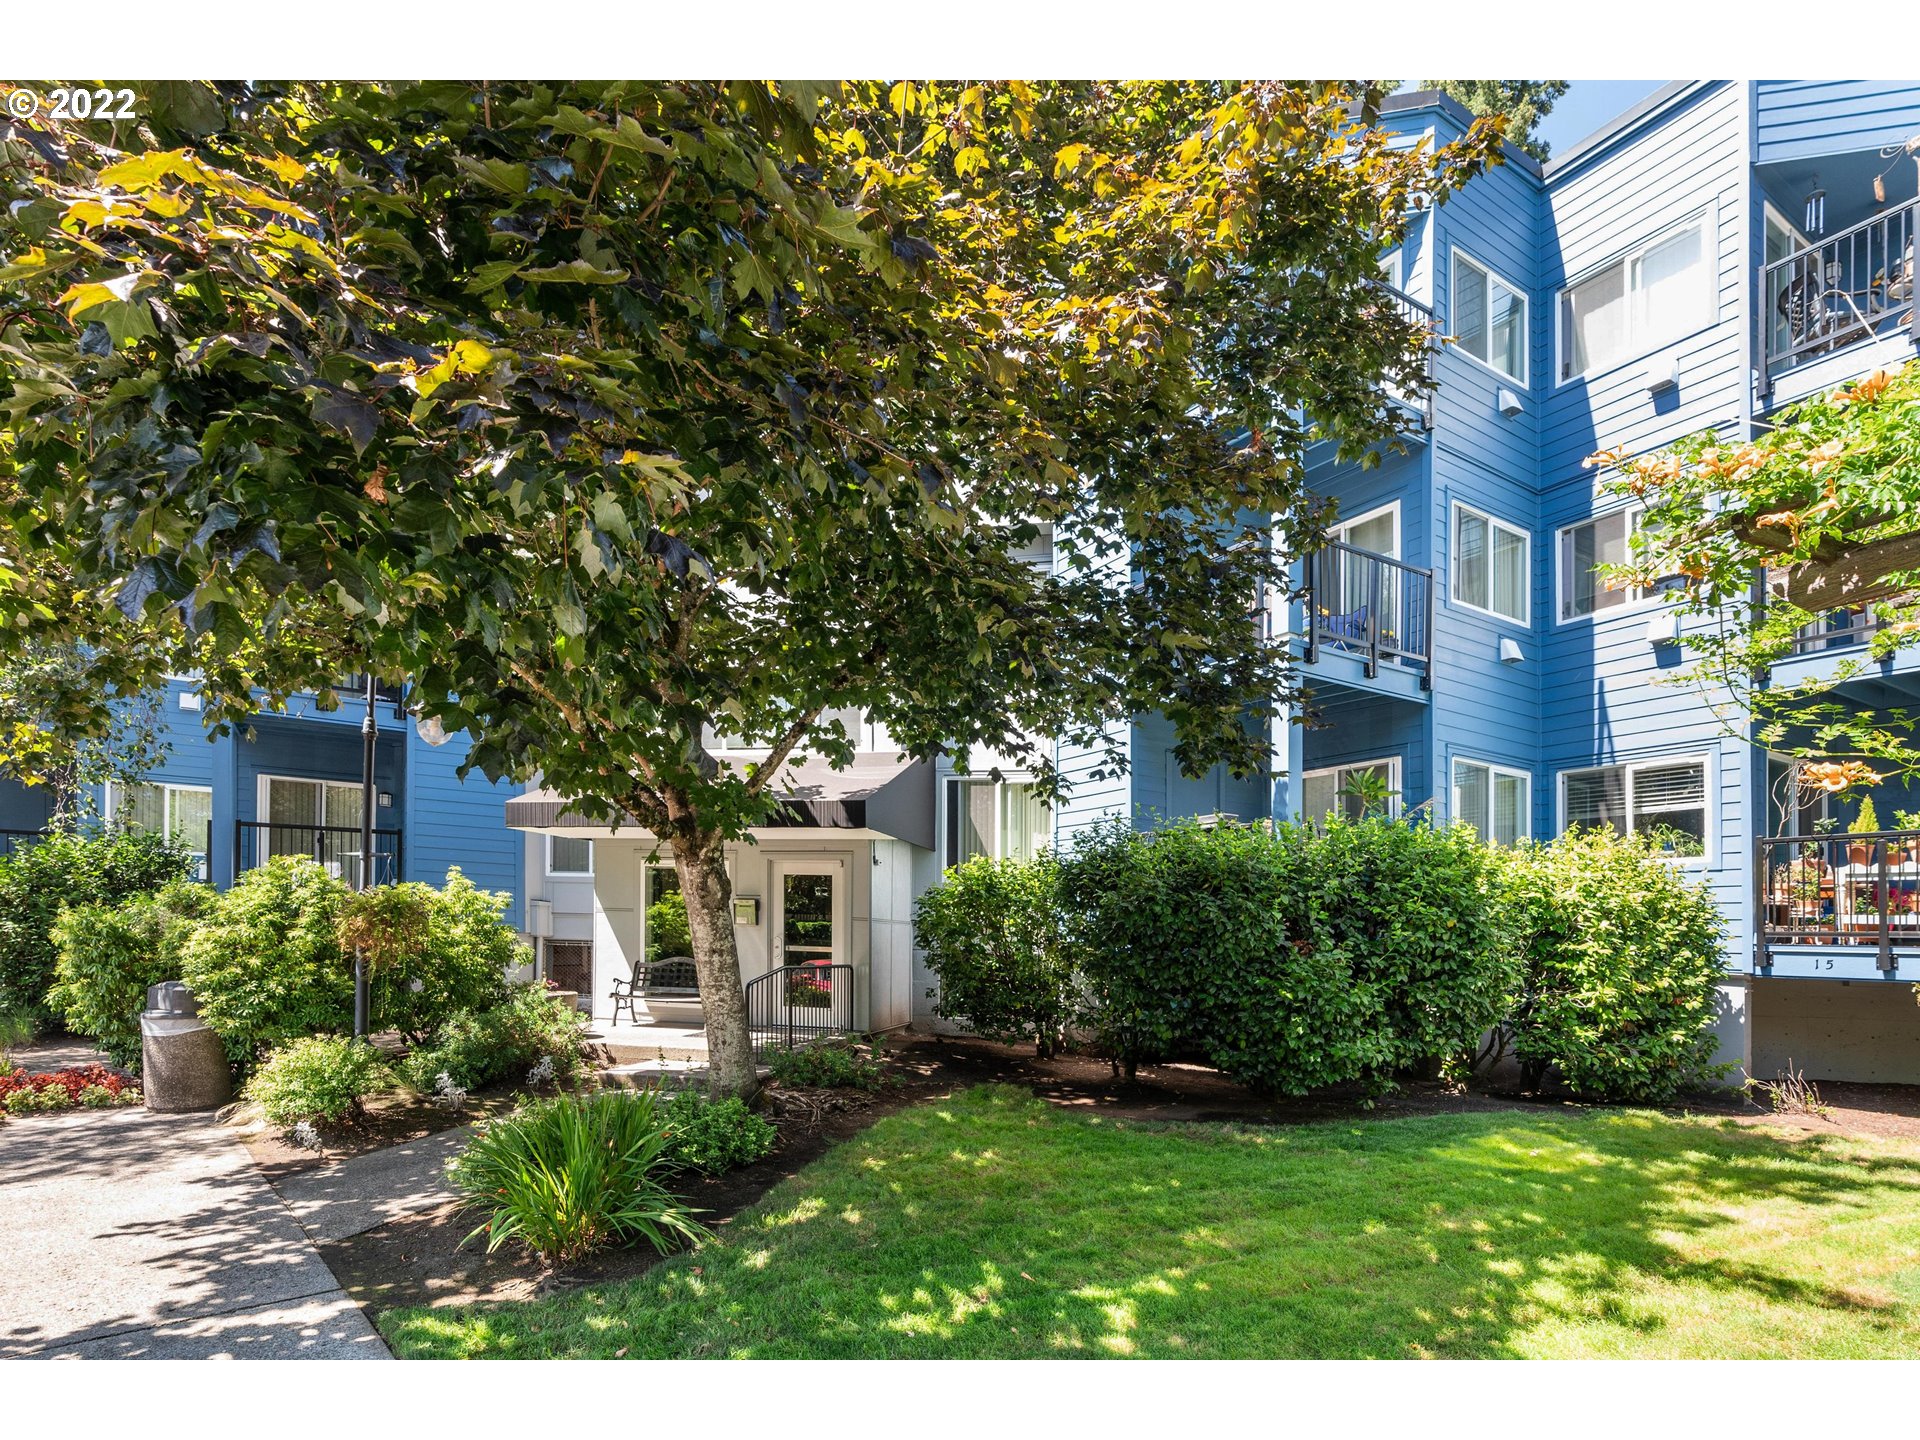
(809, 935)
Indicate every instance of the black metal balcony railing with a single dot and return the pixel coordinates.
(1853, 286)
(1861, 890)
(337, 847)
(1423, 316)
(1370, 605)
(1836, 630)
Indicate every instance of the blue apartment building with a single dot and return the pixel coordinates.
(288, 782)
(1717, 252)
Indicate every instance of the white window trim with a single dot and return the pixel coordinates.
(1007, 778)
(1453, 792)
(568, 874)
(1392, 507)
(1709, 800)
(1455, 256)
(1525, 619)
(1637, 597)
(1395, 802)
(1708, 219)
(114, 788)
(262, 780)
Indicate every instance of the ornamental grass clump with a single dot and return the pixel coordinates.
(568, 1176)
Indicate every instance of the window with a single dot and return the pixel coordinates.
(569, 855)
(1645, 299)
(1495, 801)
(1004, 821)
(1666, 799)
(1325, 792)
(183, 813)
(1492, 567)
(864, 734)
(1390, 268)
(1489, 318)
(1603, 540)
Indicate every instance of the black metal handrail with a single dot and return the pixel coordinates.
(337, 847)
(1423, 316)
(1853, 286)
(1837, 889)
(1370, 605)
(799, 1004)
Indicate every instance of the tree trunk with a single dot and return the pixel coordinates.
(701, 861)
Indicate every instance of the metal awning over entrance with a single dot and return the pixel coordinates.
(882, 793)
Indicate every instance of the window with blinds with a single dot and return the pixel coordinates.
(1495, 801)
(1664, 799)
(1325, 792)
(183, 813)
(1491, 566)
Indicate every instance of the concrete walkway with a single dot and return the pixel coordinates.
(354, 1195)
(131, 1234)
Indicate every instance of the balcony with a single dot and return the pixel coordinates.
(1374, 609)
(1846, 290)
(1422, 316)
(335, 847)
(1839, 906)
(1836, 630)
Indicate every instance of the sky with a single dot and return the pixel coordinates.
(1587, 106)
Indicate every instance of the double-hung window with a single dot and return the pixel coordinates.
(1489, 318)
(569, 855)
(1495, 801)
(1492, 568)
(182, 813)
(1666, 799)
(1647, 298)
(1003, 820)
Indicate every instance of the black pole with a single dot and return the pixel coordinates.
(369, 735)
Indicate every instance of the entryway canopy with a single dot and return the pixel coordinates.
(882, 795)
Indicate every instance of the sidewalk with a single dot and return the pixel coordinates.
(143, 1235)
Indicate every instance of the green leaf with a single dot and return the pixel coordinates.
(347, 413)
(575, 272)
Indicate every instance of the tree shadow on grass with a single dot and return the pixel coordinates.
(993, 1225)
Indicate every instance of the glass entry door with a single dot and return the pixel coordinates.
(807, 932)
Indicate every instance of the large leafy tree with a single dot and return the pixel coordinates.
(1819, 513)
(611, 413)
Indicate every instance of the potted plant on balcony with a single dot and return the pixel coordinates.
(1860, 852)
(1901, 850)
(1813, 853)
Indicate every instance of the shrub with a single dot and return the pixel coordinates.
(16, 1029)
(667, 931)
(571, 1175)
(714, 1135)
(827, 1065)
(1290, 957)
(991, 934)
(30, 1100)
(1619, 964)
(477, 1048)
(458, 954)
(37, 880)
(265, 963)
(110, 953)
(320, 1079)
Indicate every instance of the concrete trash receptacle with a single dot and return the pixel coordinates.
(183, 1064)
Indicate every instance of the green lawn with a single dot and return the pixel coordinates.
(994, 1225)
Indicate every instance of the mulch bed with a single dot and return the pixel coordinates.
(395, 1119)
(419, 1260)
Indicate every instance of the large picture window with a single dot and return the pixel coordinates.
(1004, 820)
(1329, 791)
(1491, 568)
(1495, 801)
(1666, 799)
(183, 813)
(1647, 298)
(1584, 548)
(1489, 318)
